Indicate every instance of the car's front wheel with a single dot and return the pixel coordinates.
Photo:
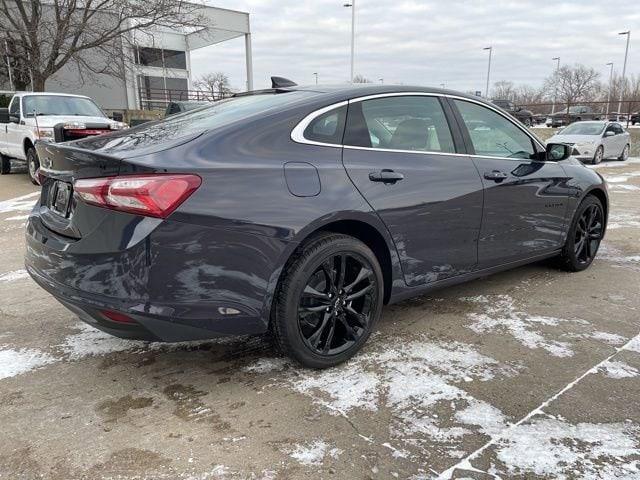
(34, 164)
(584, 237)
(625, 153)
(597, 157)
(328, 301)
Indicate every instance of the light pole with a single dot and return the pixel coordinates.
(624, 70)
(442, 85)
(6, 49)
(610, 64)
(486, 92)
(352, 5)
(381, 80)
(555, 90)
(316, 74)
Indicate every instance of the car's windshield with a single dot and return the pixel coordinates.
(586, 128)
(59, 105)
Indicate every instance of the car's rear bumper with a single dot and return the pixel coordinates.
(180, 282)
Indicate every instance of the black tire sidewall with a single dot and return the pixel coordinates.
(5, 165)
(627, 149)
(568, 254)
(296, 276)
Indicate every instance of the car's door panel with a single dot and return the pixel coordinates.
(434, 211)
(525, 198)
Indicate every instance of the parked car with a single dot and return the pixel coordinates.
(302, 211)
(574, 114)
(596, 141)
(183, 106)
(525, 116)
(49, 118)
(634, 118)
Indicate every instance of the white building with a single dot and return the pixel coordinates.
(159, 69)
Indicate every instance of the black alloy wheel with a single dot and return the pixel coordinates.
(585, 235)
(335, 306)
(328, 301)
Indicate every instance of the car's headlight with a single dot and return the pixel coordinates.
(118, 126)
(45, 133)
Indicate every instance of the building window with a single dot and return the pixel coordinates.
(156, 92)
(153, 57)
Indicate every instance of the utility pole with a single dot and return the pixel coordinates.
(352, 5)
(6, 49)
(555, 90)
(486, 92)
(624, 70)
(610, 88)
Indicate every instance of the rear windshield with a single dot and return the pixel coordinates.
(583, 129)
(195, 122)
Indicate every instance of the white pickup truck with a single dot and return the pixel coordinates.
(47, 117)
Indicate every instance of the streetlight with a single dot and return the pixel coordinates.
(352, 5)
(486, 92)
(624, 69)
(381, 80)
(610, 87)
(316, 74)
(555, 90)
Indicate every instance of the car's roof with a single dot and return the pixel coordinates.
(49, 94)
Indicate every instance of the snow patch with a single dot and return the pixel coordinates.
(267, 365)
(553, 448)
(610, 338)
(13, 276)
(17, 218)
(618, 369)
(17, 362)
(92, 342)
(416, 381)
(501, 314)
(314, 453)
(18, 204)
(623, 220)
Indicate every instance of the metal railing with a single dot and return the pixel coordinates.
(159, 98)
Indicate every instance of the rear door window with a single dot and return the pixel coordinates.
(328, 127)
(409, 123)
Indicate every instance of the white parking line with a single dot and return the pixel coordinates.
(465, 464)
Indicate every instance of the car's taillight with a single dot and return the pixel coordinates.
(155, 195)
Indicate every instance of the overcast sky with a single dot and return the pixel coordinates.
(426, 42)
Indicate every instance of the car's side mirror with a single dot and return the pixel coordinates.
(609, 133)
(14, 119)
(558, 151)
(4, 115)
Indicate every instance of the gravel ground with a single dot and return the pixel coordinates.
(532, 373)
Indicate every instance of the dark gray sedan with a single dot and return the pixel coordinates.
(302, 211)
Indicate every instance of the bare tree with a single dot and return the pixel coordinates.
(528, 95)
(361, 79)
(574, 83)
(214, 85)
(53, 34)
(503, 90)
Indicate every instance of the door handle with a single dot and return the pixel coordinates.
(386, 176)
(496, 175)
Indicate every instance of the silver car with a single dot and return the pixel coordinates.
(595, 140)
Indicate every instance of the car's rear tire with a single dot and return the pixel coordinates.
(625, 153)
(584, 237)
(5, 165)
(597, 157)
(328, 301)
(33, 163)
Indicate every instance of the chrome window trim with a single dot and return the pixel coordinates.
(297, 134)
(394, 150)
